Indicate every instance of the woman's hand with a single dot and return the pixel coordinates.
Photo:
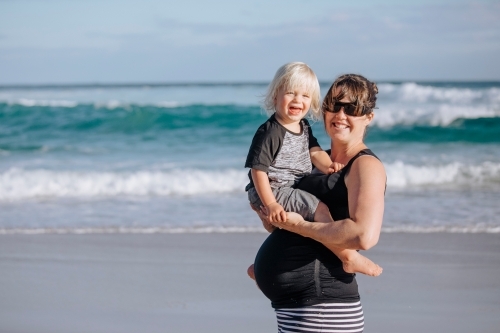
(293, 219)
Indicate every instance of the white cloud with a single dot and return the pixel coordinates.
(444, 40)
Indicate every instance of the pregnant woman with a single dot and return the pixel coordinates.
(305, 282)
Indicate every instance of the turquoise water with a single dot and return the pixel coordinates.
(170, 158)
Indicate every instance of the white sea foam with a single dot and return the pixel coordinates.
(386, 88)
(419, 93)
(401, 175)
(16, 184)
(109, 104)
(19, 184)
(494, 95)
(412, 103)
(169, 104)
(53, 103)
(114, 104)
(434, 115)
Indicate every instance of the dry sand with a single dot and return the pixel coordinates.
(197, 283)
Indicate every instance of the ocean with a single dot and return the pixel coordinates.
(169, 158)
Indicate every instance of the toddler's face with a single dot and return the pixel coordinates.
(292, 104)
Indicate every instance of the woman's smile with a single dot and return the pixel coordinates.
(340, 125)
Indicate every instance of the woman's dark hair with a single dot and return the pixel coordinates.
(357, 88)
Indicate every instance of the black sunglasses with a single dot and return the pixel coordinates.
(349, 109)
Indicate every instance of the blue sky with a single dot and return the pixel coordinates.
(100, 41)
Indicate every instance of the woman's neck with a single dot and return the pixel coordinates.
(343, 153)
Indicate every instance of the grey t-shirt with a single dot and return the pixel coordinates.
(282, 154)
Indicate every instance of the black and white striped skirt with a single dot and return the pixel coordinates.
(324, 318)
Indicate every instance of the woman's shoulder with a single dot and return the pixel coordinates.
(360, 156)
(363, 152)
(367, 166)
(368, 163)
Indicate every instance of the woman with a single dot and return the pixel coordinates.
(303, 279)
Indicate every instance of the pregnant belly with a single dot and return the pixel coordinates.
(294, 270)
(284, 267)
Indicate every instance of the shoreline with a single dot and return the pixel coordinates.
(149, 230)
(432, 282)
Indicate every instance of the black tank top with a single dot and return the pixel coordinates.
(295, 271)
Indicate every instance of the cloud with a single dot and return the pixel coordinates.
(432, 41)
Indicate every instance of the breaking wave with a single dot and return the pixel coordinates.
(18, 184)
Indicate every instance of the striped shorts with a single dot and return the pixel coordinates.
(324, 318)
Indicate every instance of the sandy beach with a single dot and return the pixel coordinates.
(437, 282)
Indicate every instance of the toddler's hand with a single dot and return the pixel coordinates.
(263, 217)
(335, 167)
(275, 213)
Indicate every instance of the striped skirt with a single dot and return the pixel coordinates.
(324, 318)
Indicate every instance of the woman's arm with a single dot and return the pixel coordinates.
(366, 186)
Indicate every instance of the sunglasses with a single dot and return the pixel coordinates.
(349, 109)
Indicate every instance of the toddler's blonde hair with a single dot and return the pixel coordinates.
(291, 76)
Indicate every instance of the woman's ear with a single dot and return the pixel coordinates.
(369, 117)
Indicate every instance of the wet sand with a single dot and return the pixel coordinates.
(197, 283)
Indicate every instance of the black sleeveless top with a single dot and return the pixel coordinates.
(295, 271)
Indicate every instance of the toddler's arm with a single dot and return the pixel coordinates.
(322, 161)
(336, 166)
(274, 210)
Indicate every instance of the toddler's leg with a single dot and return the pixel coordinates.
(352, 261)
(251, 272)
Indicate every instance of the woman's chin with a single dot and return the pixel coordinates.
(339, 134)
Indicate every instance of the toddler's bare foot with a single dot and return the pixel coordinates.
(250, 272)
(361, 264)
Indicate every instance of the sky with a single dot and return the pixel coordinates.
(111, 41)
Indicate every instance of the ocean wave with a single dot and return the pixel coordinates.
(478, 130)
(431, 115)
(50, 103)
(419, 104)
(230, 229)
(110, 104)
(18, 184)
(415, 92)
(402, 175)
(114, 104)
(423, 93)
(393, 111)
(170, 114)
(33, 126)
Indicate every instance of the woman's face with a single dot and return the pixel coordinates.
(343, 128)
